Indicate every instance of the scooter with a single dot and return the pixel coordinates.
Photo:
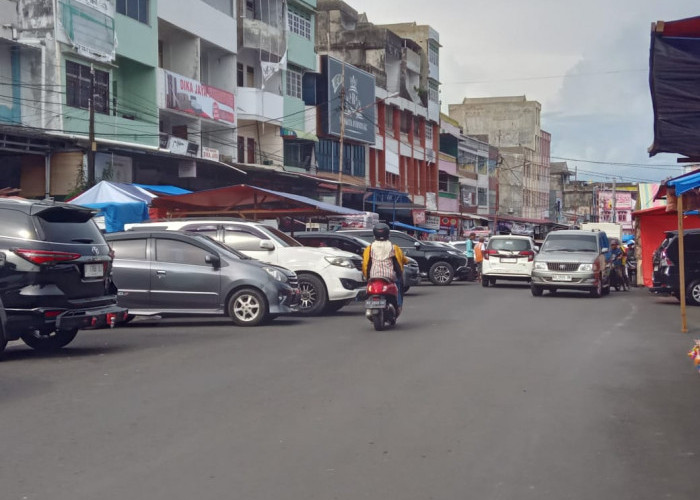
(381, 305)
(632, 270)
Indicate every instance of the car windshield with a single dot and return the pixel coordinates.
(570, 243)
(282, 238)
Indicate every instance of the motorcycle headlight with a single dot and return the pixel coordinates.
(340, 261)
(276, 274)
(542, 266)
(585, 267)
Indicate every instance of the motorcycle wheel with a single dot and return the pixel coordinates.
(379, 320)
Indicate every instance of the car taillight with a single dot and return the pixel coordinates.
(665, 261)
(490, 252)
(529, 254)
(51, 314)
(377, 286)
(45, 256)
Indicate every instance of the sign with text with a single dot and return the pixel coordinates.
(210, 154)
(357, 87)
(195, 98)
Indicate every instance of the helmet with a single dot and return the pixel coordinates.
(630, 243)
(381, 231)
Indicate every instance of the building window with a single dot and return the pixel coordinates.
(241, 149)
(78, 87)
(429, 135)
(433, 93)
(389, 120)
(251, 150)
(405, 121)
(300, 23)
(433, 55)
(298, 153)
(135, 9)
(294, 76)
(240, 75)
(482, 194)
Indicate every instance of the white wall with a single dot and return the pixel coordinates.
(201, 20)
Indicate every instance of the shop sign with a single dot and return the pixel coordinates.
(177, 145)
(210, 153)
(195, 98)
(418, 217)
(448, 221)
(432, 222)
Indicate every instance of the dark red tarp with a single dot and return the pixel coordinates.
(674, 80)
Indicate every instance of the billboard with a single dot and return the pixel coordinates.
(359, 87)
(195, 98)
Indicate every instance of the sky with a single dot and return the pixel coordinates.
(585, 62)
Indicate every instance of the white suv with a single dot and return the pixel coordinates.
(508, 257)
(328, 278)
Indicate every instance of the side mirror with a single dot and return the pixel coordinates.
(214, 260)
(267, 245)
(417, 244)
(537, 249)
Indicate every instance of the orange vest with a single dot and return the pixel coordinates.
(478, 252)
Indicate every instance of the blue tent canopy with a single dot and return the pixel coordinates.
(414, 228)
(685, 183)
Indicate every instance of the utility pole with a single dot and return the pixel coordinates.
(91, 133)
(614, 199)
(339, 200)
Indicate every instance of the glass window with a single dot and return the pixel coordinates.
(243, 238)
(433, 55)
(68, 226)
(135, 9)
(17, 224)
(402, 241)
(294, 76)
(129, 249)
(179, 252)
(433, 92)
(569, 242)
(515, 245)
(78, 87)
(298, 153)
(429, 135)
(225, 6)
(299, 22)
(389, 120)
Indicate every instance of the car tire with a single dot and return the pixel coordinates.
(247, 307)
(314, 296)
(692, 296)
(484, 281)
(3, 340)
(536, 290)
(51, 342)
(441, 273)
(334, 306)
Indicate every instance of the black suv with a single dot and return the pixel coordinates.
(665, 260)
(55, 273)
(438, 263)
(357, 246)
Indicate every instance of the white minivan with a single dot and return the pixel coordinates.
(328, 278)
(508, 257)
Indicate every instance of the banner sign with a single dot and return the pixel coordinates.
(358, 88)
(195, 98)
(418, 217)
(210, 154)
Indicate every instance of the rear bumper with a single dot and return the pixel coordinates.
(49, 319)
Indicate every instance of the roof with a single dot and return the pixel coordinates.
(246, 201)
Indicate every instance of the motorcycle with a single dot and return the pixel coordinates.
(381, 305)
(632, 270)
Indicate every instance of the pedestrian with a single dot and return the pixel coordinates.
(469, 252)
(479, 250)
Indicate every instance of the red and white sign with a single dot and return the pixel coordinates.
(418, 217)
(195, 98)
(210, 154)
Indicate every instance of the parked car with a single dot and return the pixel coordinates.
(666, 277)
(328, 278)
(440, 265)
(508, 257)
(572, 260)
(336, 239)
(168, 272)
(55, 273)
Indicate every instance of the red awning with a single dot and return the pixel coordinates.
(689, 27)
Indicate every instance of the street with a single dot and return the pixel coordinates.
(479, 393)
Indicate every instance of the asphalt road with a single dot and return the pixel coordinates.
(477, 394)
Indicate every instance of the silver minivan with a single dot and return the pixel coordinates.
(168, 272)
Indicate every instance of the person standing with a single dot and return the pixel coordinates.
(469, 252)
(479, 250)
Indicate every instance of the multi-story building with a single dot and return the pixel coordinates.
(402, 161)
(512, 124)
(558, 179)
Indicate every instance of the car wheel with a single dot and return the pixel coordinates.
(313, 295)
(484, 281)
(693, 294)
(536, 290)
(51, 342)
(441, 273)
(247, 307)
(335, 306)
(3, 340)
(597, 290)
(406, 288)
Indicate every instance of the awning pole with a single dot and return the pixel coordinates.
(681, 263)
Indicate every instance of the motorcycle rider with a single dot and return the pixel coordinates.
(383, 259)
(631, 263)
(616, 255)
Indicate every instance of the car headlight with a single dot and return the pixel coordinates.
(340, 261)
(276, 274)
(585, 267)
(542, 266)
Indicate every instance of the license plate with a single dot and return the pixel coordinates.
(561, 277)
(93, 270)
(508, 260)
(375, 303)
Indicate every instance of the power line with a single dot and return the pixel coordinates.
(549, 77)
